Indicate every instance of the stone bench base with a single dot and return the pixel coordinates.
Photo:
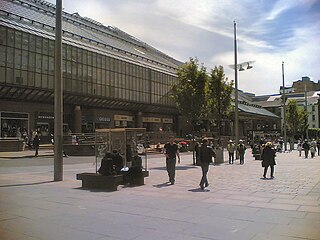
(97, 181)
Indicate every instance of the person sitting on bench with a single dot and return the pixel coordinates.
(106, 167)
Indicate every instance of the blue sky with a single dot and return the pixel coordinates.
(268, 32)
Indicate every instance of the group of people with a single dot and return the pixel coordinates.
(307, 146)
(205, 155)
(232, 148)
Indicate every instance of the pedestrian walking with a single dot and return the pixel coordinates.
(306, 148)
(312, 151)
(318, 146)
(171, 151)
(268, 159)
(206, 154)
(231, 147)
(241, 150)
(36, 143)
(313, 147)
(299, 147)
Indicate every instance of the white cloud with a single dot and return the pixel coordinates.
(204, 29)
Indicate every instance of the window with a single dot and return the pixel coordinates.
(25, 41)
(51, 65)
(30, 78)
(45, 62)
(80, 72)
(90, 58)
(3, 35)
(85, 56)
(17, 77)
(24, 76)
(32, 61)
(2, 55)
(69, 49)
(24, 60)
(50, 82)
(38, 80)
(17, 58)
(10, 57)
(38, 63)
(18, 41)
(44, 81)
(51, 48)
(2, 74)
(32, 43)
(79, 55)
(45, 46)
(38, 44)
(10, 38)
(9, 75)
(313, 116)
(313, 108)
(99, 61)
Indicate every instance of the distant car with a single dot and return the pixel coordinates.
(141, 149)
(183, 146)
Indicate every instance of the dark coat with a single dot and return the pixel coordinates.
(36, 141)
(306, 146)
(206, 154)
(268, 157)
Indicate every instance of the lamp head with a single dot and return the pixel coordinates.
(241, 68)
(249, 67)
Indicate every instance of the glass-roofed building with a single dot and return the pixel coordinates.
(110, 78)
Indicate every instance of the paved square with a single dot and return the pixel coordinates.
(238, 204)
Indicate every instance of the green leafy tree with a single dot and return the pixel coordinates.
(303, 121)
(292, 119)
(189, 91)
(218, 97)
(296, 119)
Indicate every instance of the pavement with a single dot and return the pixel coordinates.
(238, 204)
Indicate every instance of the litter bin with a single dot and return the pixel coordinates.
(219, 156)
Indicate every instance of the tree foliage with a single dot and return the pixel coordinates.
(296, 119)
(189, 91)
(201, 96)
(218, 96)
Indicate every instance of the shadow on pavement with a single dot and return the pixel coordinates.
(199, 190)
(26, 184)
(161, 185)
(177, 167)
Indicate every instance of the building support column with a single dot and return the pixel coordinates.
(138, 120)
(77, 119)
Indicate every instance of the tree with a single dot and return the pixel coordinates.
(292, 119)
(296, 119)
(218, 97)
(189, 91)
(303, 121)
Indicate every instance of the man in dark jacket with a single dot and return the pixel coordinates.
(241, 148)
(171, 151)
(306, 147)
(36, 143)
(205, 156)
(268, 159)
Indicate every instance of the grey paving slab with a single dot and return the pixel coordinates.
(237, 204)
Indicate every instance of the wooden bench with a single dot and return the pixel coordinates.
(97, 181)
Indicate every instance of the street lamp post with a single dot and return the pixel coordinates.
(237, 67)
(236, 117)
(284, 110)
(58, 97)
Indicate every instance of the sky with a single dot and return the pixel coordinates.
(269, 32)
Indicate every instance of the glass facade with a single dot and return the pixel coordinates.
(28, 60)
